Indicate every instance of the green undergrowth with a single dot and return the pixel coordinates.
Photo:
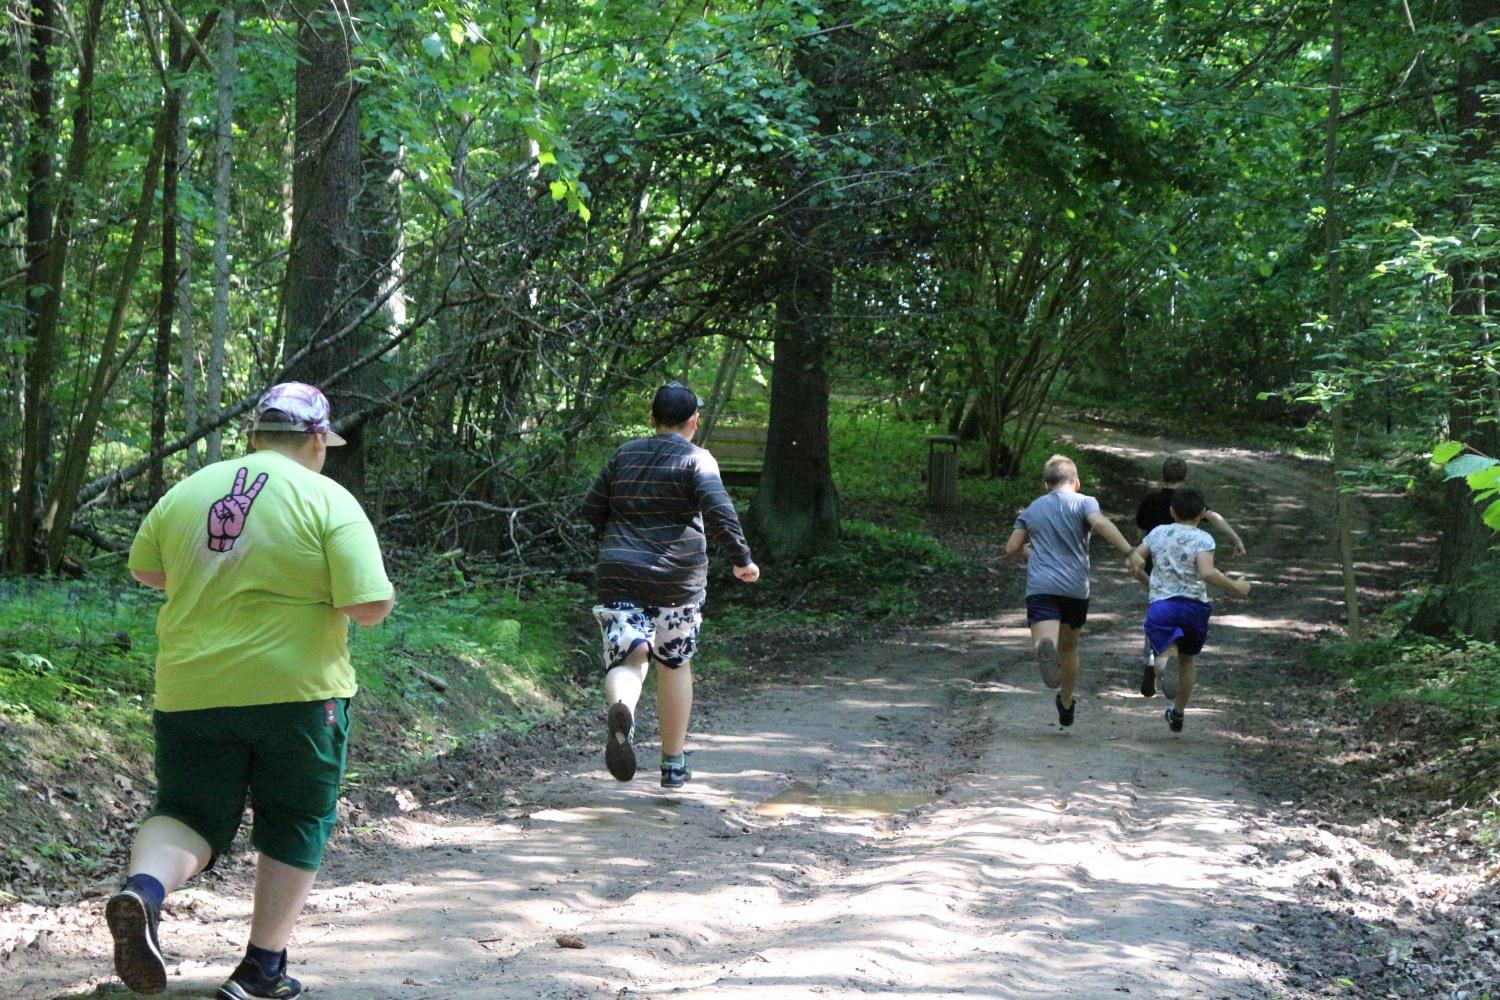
(882, 461)
(458, 656)
(461, 656)
(873, 575)
(1461, 678)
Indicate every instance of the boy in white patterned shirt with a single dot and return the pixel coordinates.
(1177, 620)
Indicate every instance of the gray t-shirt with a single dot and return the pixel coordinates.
(1058, 527)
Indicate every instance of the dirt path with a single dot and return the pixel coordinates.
(1108, 859)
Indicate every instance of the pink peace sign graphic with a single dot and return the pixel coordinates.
(226, 518)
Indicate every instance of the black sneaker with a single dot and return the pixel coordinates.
(1174, 720)
(619, 755)
(1167, 679)
(1047, 665)
(676, 775)
(250, 981)
(1065, 715)
(1148, 680)
(132, 921)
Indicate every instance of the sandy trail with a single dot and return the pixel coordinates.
(1111, 858)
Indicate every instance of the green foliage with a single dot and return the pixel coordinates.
(1480, 472)
(70, 647)
(873, 575)
(1462, 677)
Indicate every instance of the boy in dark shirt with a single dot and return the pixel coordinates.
(1155, 511)
(652, 503)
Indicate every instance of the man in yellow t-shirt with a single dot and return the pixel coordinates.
(264, 561)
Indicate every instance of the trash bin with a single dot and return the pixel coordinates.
(942, 471)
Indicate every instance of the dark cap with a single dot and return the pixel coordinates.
(674, 404)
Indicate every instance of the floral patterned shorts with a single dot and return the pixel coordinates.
(672, 633)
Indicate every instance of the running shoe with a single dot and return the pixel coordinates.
(1167, 678)
(132, 921)
(1174, 720)
(1148, 680)
(250, 981)
(674, 775)
(1046, 663)
(619, 755)
(1064, 715)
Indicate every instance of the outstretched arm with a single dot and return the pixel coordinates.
(1211, 575)
(1218, 521)
(1136, 563)
(1110, 533)
(720, 519)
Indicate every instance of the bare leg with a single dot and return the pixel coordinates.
(674, 706)
(1043, 630)
(280, 891)
(169, 851)
(1187, 673)
(1044, 646)
(1067, 658)
(623, 683)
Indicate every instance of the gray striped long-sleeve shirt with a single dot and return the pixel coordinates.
(651, 501)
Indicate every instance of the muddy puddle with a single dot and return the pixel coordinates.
(802, 799)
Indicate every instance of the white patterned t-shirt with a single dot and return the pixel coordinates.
(1174, 553)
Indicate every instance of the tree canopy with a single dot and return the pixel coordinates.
(485, 228)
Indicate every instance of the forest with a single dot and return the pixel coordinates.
(488, 230)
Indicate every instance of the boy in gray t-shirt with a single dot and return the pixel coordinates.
(1052, 538)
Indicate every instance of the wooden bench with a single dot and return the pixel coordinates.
(740, 452)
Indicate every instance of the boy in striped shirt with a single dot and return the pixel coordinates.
(653, 503)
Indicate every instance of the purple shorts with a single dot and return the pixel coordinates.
(1177, 619)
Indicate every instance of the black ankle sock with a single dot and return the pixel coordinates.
(148, 887)
(271, 962)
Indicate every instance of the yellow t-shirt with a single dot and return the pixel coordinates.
(259, 553)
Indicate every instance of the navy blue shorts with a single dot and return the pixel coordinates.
(1071, 611)
(1178, 619)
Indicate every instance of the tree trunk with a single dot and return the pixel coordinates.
(166, 303)
(186, 328)
(1466, 595)
(323, 265)
(22, 552)
(223, 168)
(1333, 236)
(39, 210)
(795, 513)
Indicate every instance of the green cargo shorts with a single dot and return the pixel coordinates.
(287, 759)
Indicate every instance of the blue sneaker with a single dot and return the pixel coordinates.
(675, 774)
(250, 982)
